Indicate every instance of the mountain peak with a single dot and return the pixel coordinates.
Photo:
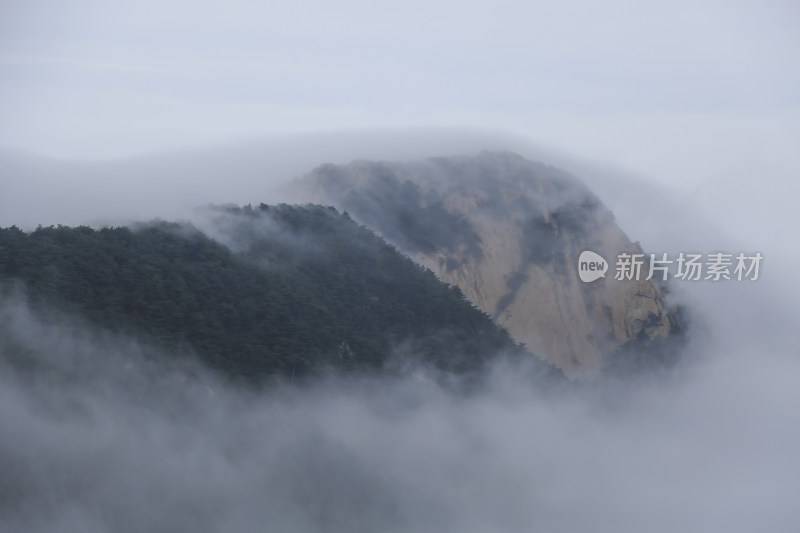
(508, 232)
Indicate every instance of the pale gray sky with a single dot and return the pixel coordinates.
(703, 95)
(677, 90)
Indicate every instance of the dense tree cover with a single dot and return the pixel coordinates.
(304, 288)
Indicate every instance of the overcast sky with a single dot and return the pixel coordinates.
(676, 90)
(698, 94)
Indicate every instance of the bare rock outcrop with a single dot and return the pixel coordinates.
(508, 232)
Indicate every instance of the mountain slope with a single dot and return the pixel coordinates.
(305, 289)
(508, 232)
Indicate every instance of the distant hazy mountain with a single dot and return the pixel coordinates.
(39, 190)
(508, 232)
(297, 289)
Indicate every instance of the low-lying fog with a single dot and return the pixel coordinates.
(96, 438)
(99, 435)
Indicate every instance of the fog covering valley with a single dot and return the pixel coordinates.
(104, 432)
(180, 351)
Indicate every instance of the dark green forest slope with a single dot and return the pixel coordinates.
(295, 289)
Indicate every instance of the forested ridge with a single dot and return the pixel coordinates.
(294, 290)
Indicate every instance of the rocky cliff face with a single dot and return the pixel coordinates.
(508, 232)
